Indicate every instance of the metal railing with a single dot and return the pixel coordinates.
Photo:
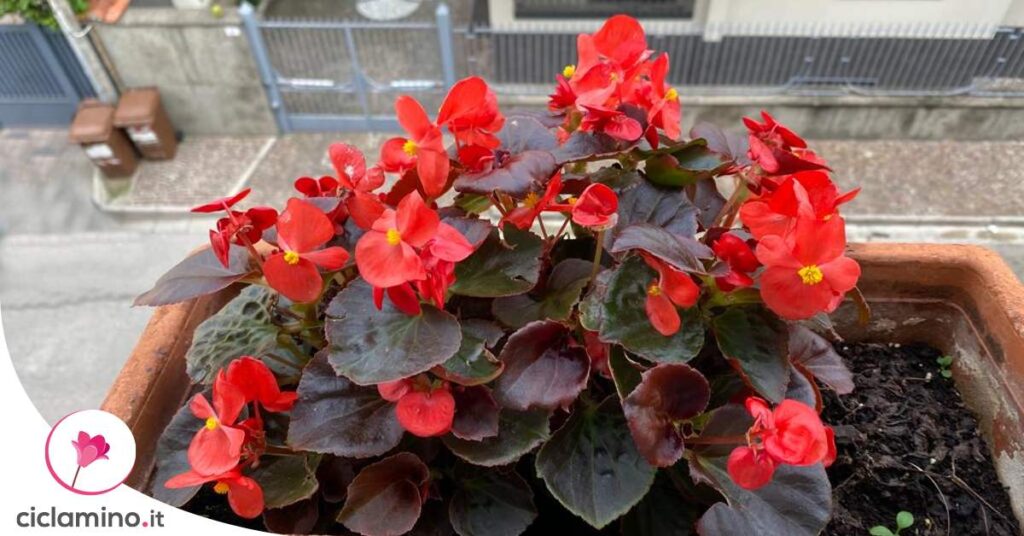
(766, 58)
(345, 75)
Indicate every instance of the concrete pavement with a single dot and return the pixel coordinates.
(69, 268)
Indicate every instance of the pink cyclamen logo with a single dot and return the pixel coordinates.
(79, 455)
(89, 449)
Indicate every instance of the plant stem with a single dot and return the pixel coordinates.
(598, 249)
(728, 215)
(75, 479)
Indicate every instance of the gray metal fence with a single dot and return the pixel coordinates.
(41, 81)
(763, 58)
(344, 75)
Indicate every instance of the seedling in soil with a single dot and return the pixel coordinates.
(944, 364)
(903, 520)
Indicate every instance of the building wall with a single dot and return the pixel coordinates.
(853, 11)
(203, 66)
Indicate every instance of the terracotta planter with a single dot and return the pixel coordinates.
(962, 300)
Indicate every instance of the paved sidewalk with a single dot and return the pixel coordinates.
(69, 268)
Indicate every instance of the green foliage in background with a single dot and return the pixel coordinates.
(38, 11)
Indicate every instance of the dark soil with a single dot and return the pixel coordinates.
(907, 443)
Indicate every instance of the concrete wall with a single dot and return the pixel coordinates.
(202, 65)
(846, 117)
(893, 11)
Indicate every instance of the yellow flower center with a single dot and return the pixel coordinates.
(220, 487)
(211, 423)
(671, 94)
(811, 274)
(531, 200)
(394, 237)
(569, 71)
(409, 147)
(654, 290)
(291, 257)
(572, 200)
(614, 77)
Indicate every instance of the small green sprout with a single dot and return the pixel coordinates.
(903, 520)
(944, 363)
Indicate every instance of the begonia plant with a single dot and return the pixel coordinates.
(513, 313)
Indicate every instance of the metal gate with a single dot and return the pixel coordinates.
(344, 75)
(41, 80)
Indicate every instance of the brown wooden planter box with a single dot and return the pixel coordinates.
(962, 300)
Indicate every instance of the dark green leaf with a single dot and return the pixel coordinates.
(172, 457)
(592, 466)
(473, 203)
(200, 273)
(643, 202)
(474, 364)
(500, 268)
(475, 230)
(683, 253)
(592, 304)
(298, 518)
(756, 342)
(708, 200)
(555, 302)
(587, 145)
(626, 323)
(625, 373)
(287, 479)
(819, 358)
(384, 499)
(662, 512)
(732, 146)
(797, 502)
(802, 389)
(524, 133)
(666, 395)
(519, 432)
(370, 346)
(334, 415)
(542, 369)
(476, 413)
(522, 173)
(242, 327)
(491, 503)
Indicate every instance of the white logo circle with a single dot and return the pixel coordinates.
(90, 452)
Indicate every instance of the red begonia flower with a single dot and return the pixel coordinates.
(423, 149)
(402, 296)
(244, 495)
(439, 256)
(612, 122)
(597, 207)
(223, 203)
(90, 448)
(564, 97)
(244, 228)
(476, 158)
(806, 194)
(775, 148)
(323, 187)
(598, 353)
(394, 391)
(426, 412)
(292, 271)
(359, 182)
(387, 254)
(257, 384)
(523, 216)
(672, 289)
(790, 434)
(621, 39)
(662, 102)
(217, 447)
(806, 271)
(740, 258)
(470, 111)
